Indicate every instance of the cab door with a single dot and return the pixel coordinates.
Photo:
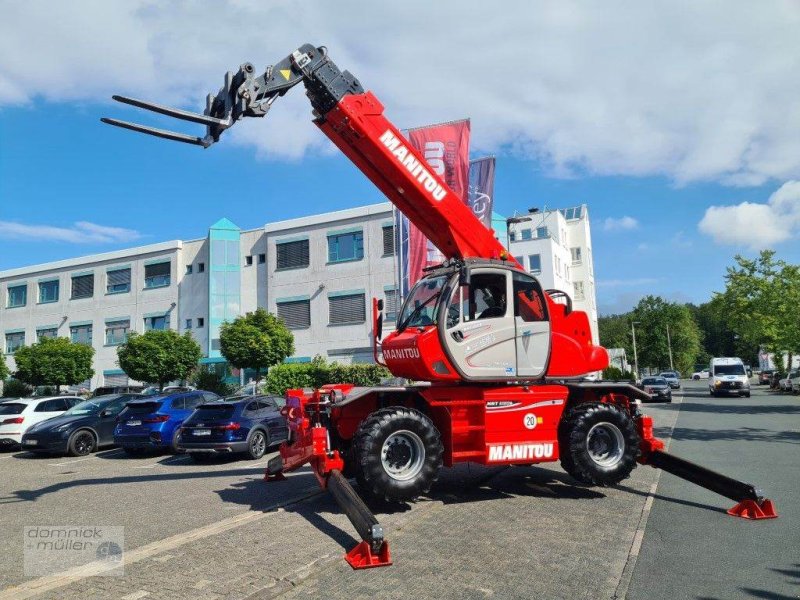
(532, 326)
(479, 326)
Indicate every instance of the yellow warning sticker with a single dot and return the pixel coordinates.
(286, 74)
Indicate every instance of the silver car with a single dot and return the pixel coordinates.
(673, 379)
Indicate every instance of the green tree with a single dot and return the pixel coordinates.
(654, 315)
(615, 332)
(761, 300)
(54, 361)
(159, 356)
(4, 372)
(256, 341)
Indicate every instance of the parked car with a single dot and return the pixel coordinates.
(673, 379)
(117, 389)
(81, 430)
(785, 383)
(18, 414)
(243, 424)
(764, 376)
(795, 383)
(168, 389)
(658, 388)
(152, 423)
(703, 374)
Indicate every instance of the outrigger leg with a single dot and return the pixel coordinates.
(373, 550)
(751, 504)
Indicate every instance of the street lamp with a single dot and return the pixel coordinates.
(515, 219)
(669, 346)
(635, 357)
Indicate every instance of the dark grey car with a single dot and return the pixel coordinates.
(658, 388)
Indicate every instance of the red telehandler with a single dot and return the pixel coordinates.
(496, 359)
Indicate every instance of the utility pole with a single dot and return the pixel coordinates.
(669, 345)
(635, 357)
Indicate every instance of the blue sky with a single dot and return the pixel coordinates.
(648, 166)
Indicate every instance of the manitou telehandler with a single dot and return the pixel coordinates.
(495, 359)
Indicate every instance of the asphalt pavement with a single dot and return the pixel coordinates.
(211, 531)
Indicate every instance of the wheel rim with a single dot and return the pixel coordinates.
(403, 455)
(605, 444)
(259, 444)
(83, 444)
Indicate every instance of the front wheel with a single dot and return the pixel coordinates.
(599, 444)
(81, 443)
(398, 453)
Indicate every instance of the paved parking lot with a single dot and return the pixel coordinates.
(218, 531)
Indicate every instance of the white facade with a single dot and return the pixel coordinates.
(556, 246)
(319, 273)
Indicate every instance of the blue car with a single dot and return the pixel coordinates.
(240, 424)
(153, 423)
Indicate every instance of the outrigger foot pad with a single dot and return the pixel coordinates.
(362, 557)
(752, 509)
(274, 470)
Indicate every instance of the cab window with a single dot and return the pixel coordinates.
(528, 299)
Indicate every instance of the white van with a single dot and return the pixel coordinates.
(728, 376)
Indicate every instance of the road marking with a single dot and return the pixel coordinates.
(135, 595)
(36, 587)
(69, 462)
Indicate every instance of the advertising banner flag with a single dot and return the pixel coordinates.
(481, 189)
(446, 148)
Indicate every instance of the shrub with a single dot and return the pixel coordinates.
(616, 374)
(14, 388)
(318, 373)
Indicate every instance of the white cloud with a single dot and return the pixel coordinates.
(756, 225)
(621, 224)
(81, 232)
(706, 92)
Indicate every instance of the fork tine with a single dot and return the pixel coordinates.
(162, 133)
(175, 112)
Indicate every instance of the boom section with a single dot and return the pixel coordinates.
(352, 119)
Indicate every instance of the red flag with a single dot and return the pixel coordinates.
(446, 148)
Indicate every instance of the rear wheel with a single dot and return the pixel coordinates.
(257, 446)
(398, 454)
(599, 444)
(81, 443)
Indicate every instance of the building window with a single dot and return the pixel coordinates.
(525, 234)
(296, 313)
(159, 323)
(248, 260)
(200, 322)
(347, 309)
(535, 261)
(512, 236)
(14, 341)
(577, 286)
(576, 255)
(262, 259)
(82, 286)
(571, 213)
(157, 275)
(346, 246)
(17, 296)
(541, 232)
(390, 308)
(117, 332)
(118, 281)
(188, 269)
(49, 332)
(201, 267)
(81, 334)
(388, 240)
(48, 291)
(188, 323)
(291, 255)
(558, 266)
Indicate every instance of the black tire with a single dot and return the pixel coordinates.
(747, 395)
(173, 447)
(696, 378)
(257, 445)
(81, 443)
(590, 429)
(398, 454)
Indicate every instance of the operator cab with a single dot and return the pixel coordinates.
(484, 322)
